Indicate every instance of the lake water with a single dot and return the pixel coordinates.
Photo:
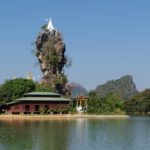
(76, 134)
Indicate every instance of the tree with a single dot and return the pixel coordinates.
(92, 94)
(110, 104)
(139, 104)
(13, 89)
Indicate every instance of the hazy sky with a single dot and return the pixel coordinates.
(106, 39)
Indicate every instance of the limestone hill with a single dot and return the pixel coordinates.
(124, 85)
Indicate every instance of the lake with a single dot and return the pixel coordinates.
(76, 134)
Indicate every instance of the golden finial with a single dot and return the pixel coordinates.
(29, 76)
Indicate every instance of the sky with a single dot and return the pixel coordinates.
(106, 39)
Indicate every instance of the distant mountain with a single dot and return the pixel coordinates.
(77, 89)
(124, 85)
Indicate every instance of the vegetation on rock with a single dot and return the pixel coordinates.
(40, 87)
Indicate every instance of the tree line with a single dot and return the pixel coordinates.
(14, 89)
(112, 103)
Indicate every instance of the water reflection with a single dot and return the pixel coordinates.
(72, 134)
(33, 135)
(14, 135)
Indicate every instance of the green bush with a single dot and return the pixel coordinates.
(118, 111)
(42, 110)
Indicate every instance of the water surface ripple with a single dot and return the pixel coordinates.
(76, 134)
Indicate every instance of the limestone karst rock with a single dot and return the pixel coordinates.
(50, 51)
(125, 86)
(77, 89)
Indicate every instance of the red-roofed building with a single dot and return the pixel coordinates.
(36, 102)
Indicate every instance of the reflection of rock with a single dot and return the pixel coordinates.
(50, 51)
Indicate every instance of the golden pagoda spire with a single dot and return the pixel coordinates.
(29, 76)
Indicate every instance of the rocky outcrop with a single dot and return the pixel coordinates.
(50, 51)
(125, 86)
(77, 89)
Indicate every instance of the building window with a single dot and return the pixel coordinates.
(37, 107)
(8, 108)
(27, 107)
(46, 107)
(16, 106)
